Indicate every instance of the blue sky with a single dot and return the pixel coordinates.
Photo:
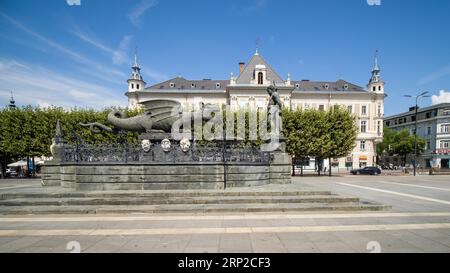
(55, 53)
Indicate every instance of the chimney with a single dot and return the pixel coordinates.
(241, 67)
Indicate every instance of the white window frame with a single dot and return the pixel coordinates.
(350, 109)
(444, 144)
(364, 113)
(362, 145)
(361, 126)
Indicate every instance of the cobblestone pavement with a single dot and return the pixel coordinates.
(419, 222)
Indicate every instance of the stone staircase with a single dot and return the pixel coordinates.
(202, 201)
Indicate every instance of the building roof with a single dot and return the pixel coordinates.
(180, 83)
(183, 85)
(338, 86)
(247, 75)
(420, 110)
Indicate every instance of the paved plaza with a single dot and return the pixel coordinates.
(418, 222)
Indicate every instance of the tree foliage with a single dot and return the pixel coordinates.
(400, 143)
(319, 134)
(28, 131)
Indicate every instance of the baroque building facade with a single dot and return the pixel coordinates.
(248, 90)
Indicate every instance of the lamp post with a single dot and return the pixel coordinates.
(417, 97)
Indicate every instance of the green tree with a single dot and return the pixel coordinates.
(400, 143)
(342, 133)
(319, 134)
(28, 131)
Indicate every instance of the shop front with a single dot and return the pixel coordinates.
(362, 161)
(442, 158)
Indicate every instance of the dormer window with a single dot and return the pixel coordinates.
(172, 85)
(217, 85)
(260, 78)
(297, 85)
(327, 86)
(346, 87)
(192, 85)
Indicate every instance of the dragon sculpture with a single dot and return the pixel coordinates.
(158, 117)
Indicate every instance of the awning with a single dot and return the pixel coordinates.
(363, 158)
(18, 164)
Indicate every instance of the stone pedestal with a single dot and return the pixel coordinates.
(280, 169)
(51, 171)
(51, 174)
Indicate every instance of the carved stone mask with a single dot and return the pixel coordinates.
(146, 145)
(185, 145)
(166, 145)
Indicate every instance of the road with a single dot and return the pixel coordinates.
(419, 222)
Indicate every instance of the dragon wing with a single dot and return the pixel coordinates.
(162, 109)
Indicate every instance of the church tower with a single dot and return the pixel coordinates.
(376, 84)
(135, 82)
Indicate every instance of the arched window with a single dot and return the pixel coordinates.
(260, 78)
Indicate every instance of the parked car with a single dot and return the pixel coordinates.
(367, 170)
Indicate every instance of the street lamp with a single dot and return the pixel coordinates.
(417, 97)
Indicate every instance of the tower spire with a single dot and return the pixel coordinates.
(135, 58)
(376, 84)
(376, 67)
(12, 102)
(257, 46)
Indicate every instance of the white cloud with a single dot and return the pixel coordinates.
(442, 98)
(119, 56)
(444, 71)
(35, 85)
(139, 10)
(98, 68)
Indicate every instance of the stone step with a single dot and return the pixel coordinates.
(155, 194)
(329, 199)
(184, 208)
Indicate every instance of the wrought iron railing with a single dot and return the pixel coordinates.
(133, 153)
